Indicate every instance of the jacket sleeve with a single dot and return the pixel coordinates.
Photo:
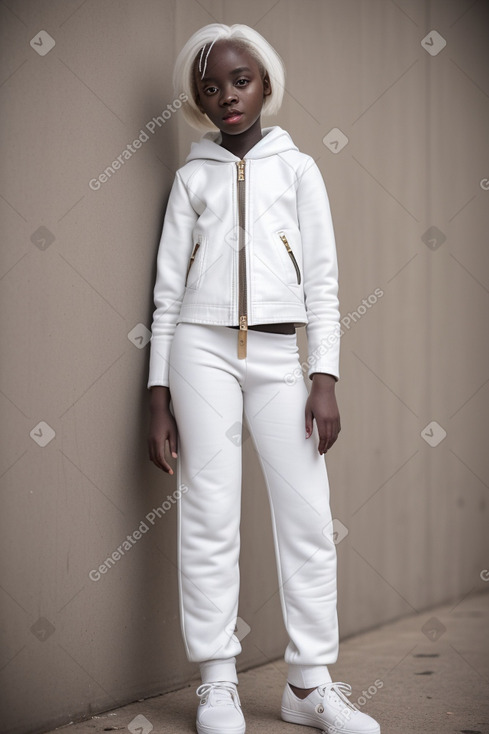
(171, 266)
(320, 268)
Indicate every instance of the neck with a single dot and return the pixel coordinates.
(240, 144)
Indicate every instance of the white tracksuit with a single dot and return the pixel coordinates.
(247, 242)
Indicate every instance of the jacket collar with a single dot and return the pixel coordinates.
(274, 140)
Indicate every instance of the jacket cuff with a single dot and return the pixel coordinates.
(159, 366)
(321, 372)
(325, 371)
(324, 353)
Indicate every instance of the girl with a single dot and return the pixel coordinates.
(247, 254)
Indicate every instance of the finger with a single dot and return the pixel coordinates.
(163, 455)
(334, 437)
(308, 423)
(330, 437)
(174, 443)
(323, 445)
(167, 449)
(321, 429)
(162, 464)
(157, 456)
(325, 438)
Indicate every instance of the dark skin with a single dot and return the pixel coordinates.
(234, 81)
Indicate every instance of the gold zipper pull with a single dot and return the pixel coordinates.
(242, 336)
(286, 242)
(291, 254)
(192, 258)
(196, 247)
(241, 167)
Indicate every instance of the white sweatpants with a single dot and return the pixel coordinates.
(210, 390)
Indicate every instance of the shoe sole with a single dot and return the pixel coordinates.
(296, 717)
(211, 730)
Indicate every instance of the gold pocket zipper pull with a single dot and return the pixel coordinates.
(286, 242)
(291, 255)
(192, 258)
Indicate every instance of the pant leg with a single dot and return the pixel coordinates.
(207, 404)
(298, 488)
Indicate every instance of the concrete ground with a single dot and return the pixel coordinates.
(434, 670)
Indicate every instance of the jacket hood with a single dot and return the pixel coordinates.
(275, 140)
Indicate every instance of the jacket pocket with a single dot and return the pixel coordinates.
(194, 267)
(291, 255)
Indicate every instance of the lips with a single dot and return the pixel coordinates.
(232, 113)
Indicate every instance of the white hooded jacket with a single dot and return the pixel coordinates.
(248, 241)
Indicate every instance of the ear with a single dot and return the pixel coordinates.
(267, 87)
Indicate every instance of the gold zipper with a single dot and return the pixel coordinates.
(292, 256)
(242, 304)
(192, 258)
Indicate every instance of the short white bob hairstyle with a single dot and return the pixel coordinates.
(267, 58)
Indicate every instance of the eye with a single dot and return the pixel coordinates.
(209, 90)
(242, 80)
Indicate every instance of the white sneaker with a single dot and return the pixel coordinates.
(327, 708)
(219, 710)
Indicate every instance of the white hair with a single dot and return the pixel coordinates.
(265, 55)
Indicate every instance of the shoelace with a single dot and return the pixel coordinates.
(222, 692)
(340, 689)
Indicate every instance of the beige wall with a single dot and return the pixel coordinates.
(416, 158)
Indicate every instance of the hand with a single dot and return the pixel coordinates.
(321, 405)
(162, 430)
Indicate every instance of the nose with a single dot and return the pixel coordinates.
(229, 96)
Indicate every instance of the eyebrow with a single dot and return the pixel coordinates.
(238, 70)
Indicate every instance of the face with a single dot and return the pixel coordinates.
(232, 91)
